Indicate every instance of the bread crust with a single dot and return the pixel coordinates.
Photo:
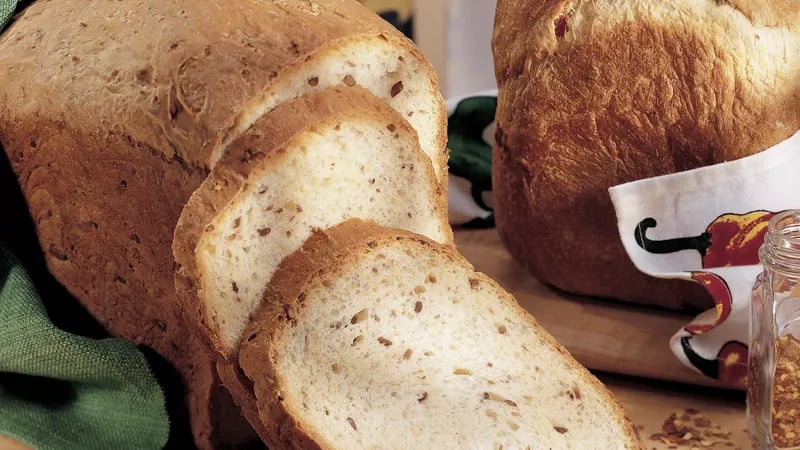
(595, 94)
(263, 145)
(112, 114)
(176, 76)
(338, 247)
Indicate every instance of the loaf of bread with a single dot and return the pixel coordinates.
(311, 163)
(113, 113)
(595, 94)
(377, 338)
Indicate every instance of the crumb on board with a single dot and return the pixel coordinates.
(691, 429)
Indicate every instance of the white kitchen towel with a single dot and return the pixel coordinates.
(706, 226)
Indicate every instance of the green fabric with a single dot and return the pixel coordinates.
(63, 391)
(6, 11)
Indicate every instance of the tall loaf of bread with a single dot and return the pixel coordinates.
(113, 113)
(598, 93)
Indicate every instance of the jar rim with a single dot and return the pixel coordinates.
(781, 247)
(783, 220)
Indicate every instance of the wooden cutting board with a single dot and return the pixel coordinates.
(613, 337)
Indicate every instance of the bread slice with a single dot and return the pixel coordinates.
(391, 69)
(311, 163)
(371, 337)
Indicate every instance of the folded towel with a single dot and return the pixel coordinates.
(60, 390)
(706, 225)
(7, 8)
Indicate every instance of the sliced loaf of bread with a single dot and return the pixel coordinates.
(311, 163)
(378, 338)
(113, 112)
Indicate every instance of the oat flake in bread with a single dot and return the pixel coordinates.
(377, 338)
(598, 93)
(113, 112)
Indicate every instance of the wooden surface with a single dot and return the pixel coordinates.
(650, 403)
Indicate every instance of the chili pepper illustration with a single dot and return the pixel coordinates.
(730, 365)
(470, 154)
(718, 288)
(730, 240)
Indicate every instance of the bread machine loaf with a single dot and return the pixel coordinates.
(113, 113)
(597, 93)
(378, 338)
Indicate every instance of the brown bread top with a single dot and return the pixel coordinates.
(594, 94)
(173, 76)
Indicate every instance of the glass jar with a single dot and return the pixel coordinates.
(773, 394)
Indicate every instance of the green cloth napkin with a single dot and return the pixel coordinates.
(7, 8)
(63, 391)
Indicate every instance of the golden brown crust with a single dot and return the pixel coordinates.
(338, 247)
(589, 100)
(212, 60)
(263, 145)
(130, 291)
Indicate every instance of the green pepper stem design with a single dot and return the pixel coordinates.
(700, 243)
(708, 367)
(729, 366)
(470, 155)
